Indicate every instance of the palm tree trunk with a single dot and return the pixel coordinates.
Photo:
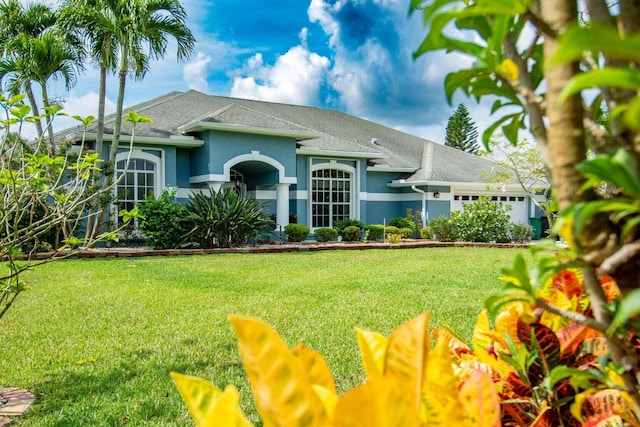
(101, 105)
(113, 151)
(96, 212)
(36, 112)
(48, 119)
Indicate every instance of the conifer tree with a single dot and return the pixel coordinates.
(462, 132)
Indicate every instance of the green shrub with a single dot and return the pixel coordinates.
(406, 233)
(296, 232)
(341, 224)
(443, 229)
(351, 234)
(391, 229)
(376, 231)
(163, 224)
(325, 234)
(482, 221)
(402, 222)
(520, 233)
(224, 219)
(426, 233)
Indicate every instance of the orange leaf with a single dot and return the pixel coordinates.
(406, 356)
(316, 367)
(480, 401)
(608, 405)
(373, 347)
(381, 402)
(281, 386)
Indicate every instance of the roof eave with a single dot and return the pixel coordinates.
(174, 140)
(299, 135)
(314, 151)
(379, 168)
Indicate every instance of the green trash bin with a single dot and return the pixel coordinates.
(536, 224)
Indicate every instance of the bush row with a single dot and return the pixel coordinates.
(224, 219)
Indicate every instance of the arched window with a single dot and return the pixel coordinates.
(331, 196)
(136, 180)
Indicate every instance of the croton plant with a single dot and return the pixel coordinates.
(526, 367)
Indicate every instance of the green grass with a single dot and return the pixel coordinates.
(95, 340)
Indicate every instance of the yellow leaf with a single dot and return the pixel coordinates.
(226, 411)
(316, 367)
(456, 347)
(481, 337)
(406, 356)
(480, 401)
(381, 402)
(560, 300)
(373, 347)
(328, 398)
(507, 322)
(207, 404)
(441, 403)
(508, 69)
(281, 386)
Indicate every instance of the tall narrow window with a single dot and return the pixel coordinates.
(138, 182)
(330, 196)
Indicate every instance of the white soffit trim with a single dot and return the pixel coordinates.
(313, 151)
(390, 169)
(299, 135)
(183, 141)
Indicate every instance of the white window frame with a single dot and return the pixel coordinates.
(333, 165)
(139, 154)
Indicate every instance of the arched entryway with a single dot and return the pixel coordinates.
(262, 178)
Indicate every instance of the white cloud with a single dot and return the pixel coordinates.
(296, 78)
(83, 106)
(195, 72)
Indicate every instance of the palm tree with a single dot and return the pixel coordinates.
(17, 25)
(37, 52)
(125, 35)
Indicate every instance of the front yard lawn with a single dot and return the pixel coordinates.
(95, 340)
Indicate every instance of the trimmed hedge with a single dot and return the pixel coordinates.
(296, 232)
(325, 234)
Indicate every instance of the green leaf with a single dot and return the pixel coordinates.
(134, 117)
(619, 169)
(629, 307)
(631, 115)
(595, 38)
(606, 77)
(85, 120)
(20, 111)
(578, 378)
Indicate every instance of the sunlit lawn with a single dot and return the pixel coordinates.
(95, 340)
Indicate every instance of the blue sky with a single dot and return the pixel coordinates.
(350, 55)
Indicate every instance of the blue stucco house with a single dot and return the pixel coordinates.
(316, 165)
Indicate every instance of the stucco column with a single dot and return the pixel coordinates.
(282, 205)
(215, 185)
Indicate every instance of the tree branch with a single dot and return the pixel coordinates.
(574, 316)
(619, 258)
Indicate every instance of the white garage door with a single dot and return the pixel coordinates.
(518, 204)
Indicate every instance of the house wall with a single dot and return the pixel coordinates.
(220, 147)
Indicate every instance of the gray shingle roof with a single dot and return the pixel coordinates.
(336, 132)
